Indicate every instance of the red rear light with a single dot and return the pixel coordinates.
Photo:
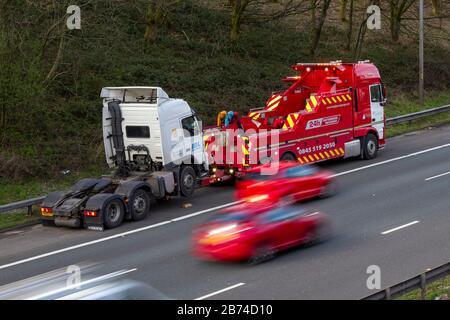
(90, 213)
(46, 211)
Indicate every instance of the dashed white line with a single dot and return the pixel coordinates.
(400, 227)
(119, 235)
(220, 291)
(438, 176)
(392, 160)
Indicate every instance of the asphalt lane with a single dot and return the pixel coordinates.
(370, 201)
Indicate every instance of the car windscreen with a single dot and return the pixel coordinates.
(229, 217)
(258, 176)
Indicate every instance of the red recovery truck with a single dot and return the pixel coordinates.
(330, 110)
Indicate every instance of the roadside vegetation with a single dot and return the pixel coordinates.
(437, 290)
(227, 54)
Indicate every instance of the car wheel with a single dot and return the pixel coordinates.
(370, 146)
(187, 181)
(329, 190)
(322, 233)
(262, 253)
(113, 213)
(139, 204)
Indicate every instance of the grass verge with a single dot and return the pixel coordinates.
(437, 290)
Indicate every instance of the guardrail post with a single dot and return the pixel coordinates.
(387, 293)
(423, 286)
(30, 210)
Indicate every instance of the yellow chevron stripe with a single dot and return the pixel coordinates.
(344, 98)
(337, 152)
(349, 97)
(342, 151)
(245, 151)
(271, 102)
(316, 156)
(324, 102)
(326, 153)
(339, 99)
(310, 157)
(329, 101)
(314, 100)
(274, 106)
(290, 122)
(332, 153)
(334, 100)
(301, 161)
(321, 155)
(306, 159)
(308, 107)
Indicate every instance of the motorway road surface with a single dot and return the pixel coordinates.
(393, 212)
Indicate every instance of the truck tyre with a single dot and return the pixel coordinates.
(139, 204)
(370, 146)
(288, 157)
(113, 213)
(187, 181)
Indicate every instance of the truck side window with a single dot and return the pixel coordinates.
(375, 93)
(138, 132)
(190, 127)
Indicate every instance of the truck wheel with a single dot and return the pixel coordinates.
(187, 181)
(370, 147)
(113, 213)
(288, 157)
(139, 204)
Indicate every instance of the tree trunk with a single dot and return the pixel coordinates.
(395, 28)
(153, 20)
(342, 10)
(238, 8)
(350, 26)
(318, 27)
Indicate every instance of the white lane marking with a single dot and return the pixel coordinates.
(204, 211)
(438, 176)
(400, 227)
(83, 283)
(220, 291)
(119, 235)
(392, 160)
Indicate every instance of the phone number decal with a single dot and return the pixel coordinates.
(317, 148)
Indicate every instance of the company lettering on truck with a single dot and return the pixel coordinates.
(322, 122)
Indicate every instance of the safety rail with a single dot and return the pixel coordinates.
(391, 121)
(22, 204)
(417, 115)
(418, 282)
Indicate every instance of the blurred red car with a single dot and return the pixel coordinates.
(257, 233)
(292, 182)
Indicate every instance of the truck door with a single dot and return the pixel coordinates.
(193, 141)
(377, 109)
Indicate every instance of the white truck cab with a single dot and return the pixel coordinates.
(156, 131)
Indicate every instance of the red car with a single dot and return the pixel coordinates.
(292, 182)
(257, 233)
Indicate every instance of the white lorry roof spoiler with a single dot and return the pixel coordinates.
(121, 92)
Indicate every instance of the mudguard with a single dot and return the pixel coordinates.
(97, 203)
(126, 189)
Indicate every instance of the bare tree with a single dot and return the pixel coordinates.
(397, 10)
(342, 10)
(318, 25)
(238, 8)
